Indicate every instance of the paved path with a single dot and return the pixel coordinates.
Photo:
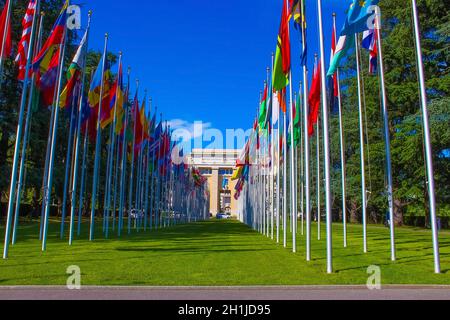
(227, 293)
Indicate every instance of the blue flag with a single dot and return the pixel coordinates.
(360, 17)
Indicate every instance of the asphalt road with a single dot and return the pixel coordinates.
(227, 293)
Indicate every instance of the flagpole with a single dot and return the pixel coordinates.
(68, 167)
(112, 147)
(47, 196)
(326, 137)
(83, 179)
(130, 191)
(77, 140)
(306, 143)
(272, 162)
(109, 156)
(302, 177)
(116, 180)
(318, 183)
(5, 35)
(19, 125)
(427, 136)
(342, 149)
(278, 193)
(25, 140)
(98, 145)
(147, 172)
(361, 132)
(386, 137)
(285, 176)
(123, 165)
(293, 160)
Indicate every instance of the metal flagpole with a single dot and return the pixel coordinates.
(272, 163)
(19, 125)
(68, 167)
(285, 176)
(48, 191)
(83, 178)
(98, 145)
(25, 140)
(427, 136)
(318, 183)
(111, 164)
(116, 182)
(342, 147)
(293, 161)
(44, 179)
(387, 138)
(147, 172)
(130, 194)
(278, 193)
(76, 168)
(363, 161)
(5, 33)
(326, 138)
(306, 143)
(123, 165)
(107, 189)
(302, 177)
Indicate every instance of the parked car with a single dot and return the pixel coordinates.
(137, 214)
(223, 216)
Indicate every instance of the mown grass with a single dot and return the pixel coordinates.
(221, 253)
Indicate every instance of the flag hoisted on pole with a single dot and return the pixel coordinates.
(5, 34)
(427, 136)
(98, 139)
(74, 187)
(337, 87)
(326, 138)
(377, 47)
(18, 138)
(58, 36)
(32, 104)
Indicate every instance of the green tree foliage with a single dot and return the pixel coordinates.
(409, 172)
(10, 92)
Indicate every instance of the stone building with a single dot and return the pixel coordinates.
(217, 166)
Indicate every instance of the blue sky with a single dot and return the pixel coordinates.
(203, 59)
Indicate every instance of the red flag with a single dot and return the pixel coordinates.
(24, 43)
(5, 23)
(314, 100)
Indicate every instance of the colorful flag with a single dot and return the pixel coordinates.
(116, 99)
(263, 109)
(314, 100)
(370, 43)
(24, 43)
(275, 107)
(360, 17)
(46, 82)
(333, 80)
(295, 12)
(95, 91)
(42, 62)
(344, 44)
(283, 54)
(73, 76)
(5, 24)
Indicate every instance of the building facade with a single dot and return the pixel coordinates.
(218, 166)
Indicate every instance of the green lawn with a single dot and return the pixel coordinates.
(221, 253)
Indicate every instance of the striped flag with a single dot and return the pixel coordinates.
(5, 22)
(73, 76)
(24, 43)
(369, 42)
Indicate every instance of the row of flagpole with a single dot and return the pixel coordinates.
(281, 185)
(160, 186)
